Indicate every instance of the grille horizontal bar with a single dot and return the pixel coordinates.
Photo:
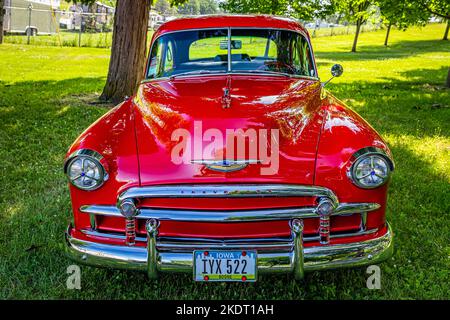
(230, 216)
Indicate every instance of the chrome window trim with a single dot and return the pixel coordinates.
(166, 33)
(303, 34)
(296, 31)
(229, 50)
(232, 73)
(92, 155)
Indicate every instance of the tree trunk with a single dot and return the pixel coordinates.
(446, 30)
(387, 34)
(355, 40)
(448, 78)
(128, 49)
(2, 14)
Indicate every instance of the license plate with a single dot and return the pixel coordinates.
(219, 265)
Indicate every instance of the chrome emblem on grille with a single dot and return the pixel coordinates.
(225, 165)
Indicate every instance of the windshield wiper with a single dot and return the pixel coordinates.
(193, 72)
(265, 72)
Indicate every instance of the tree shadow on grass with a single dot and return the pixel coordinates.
(30, 108)
(425, 77)
(418, 106)
(36, 129)
(419, 222)
(398, 50)
(37, 126)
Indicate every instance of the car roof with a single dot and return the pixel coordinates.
(225, 21)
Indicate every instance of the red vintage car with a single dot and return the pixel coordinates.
(231, 160)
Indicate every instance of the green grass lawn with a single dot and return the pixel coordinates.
(45, 103)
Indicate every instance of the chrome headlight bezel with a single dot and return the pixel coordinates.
(372, 153)
(93, 157)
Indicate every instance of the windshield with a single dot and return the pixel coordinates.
(251, 51)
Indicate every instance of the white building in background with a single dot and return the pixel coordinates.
(154, 19)
(96, 16)
(55, 4)
(43, 18)
(168, 18)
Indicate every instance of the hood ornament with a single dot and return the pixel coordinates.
(225, 165)
(226, 97)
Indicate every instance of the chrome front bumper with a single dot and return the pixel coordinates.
(274, 255)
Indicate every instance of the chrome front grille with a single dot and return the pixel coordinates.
(321, 194)
(230, 215)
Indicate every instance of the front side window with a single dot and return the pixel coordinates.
(266, 51)
(202, 51)
(251, 51)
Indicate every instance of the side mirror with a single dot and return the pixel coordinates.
(336, 71)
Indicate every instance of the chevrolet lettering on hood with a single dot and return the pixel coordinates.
(231, 160)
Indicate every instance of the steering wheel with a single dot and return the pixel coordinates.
(277, 66)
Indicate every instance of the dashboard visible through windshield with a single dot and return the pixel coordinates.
(215, 51)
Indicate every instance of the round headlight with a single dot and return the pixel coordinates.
(370, 170)
(85, 171)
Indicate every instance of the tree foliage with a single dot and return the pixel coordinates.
(300, 9)
(355, 10)
(440, 8)
(208, 6)
(309, 9)
(191, 7)
(402, 13)
(278, 7)
(163, 6)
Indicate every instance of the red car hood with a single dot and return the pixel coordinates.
(287, 107)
